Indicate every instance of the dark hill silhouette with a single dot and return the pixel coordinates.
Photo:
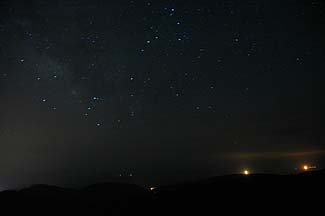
(239, 192)
(45, 191)
(116, 198)
(261, 193)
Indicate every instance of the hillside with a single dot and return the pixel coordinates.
(232, 193)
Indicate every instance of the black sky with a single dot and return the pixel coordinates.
(162, 90)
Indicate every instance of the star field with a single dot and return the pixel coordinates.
(156, 88)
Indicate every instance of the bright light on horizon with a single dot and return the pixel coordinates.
(307, 167)
(246, 172)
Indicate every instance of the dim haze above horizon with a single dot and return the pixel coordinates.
(158, 91)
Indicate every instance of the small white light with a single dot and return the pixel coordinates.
(153, 188)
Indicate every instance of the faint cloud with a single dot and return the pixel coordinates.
(263, 155)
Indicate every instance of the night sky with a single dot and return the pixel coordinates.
(158, 91)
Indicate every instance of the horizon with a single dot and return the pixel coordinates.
(149, 187)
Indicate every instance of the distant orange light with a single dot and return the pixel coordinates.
(246, 172)
(305, 167)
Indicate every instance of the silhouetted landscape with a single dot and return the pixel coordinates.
(231, 193)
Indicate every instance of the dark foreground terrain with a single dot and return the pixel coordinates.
(263, 194)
